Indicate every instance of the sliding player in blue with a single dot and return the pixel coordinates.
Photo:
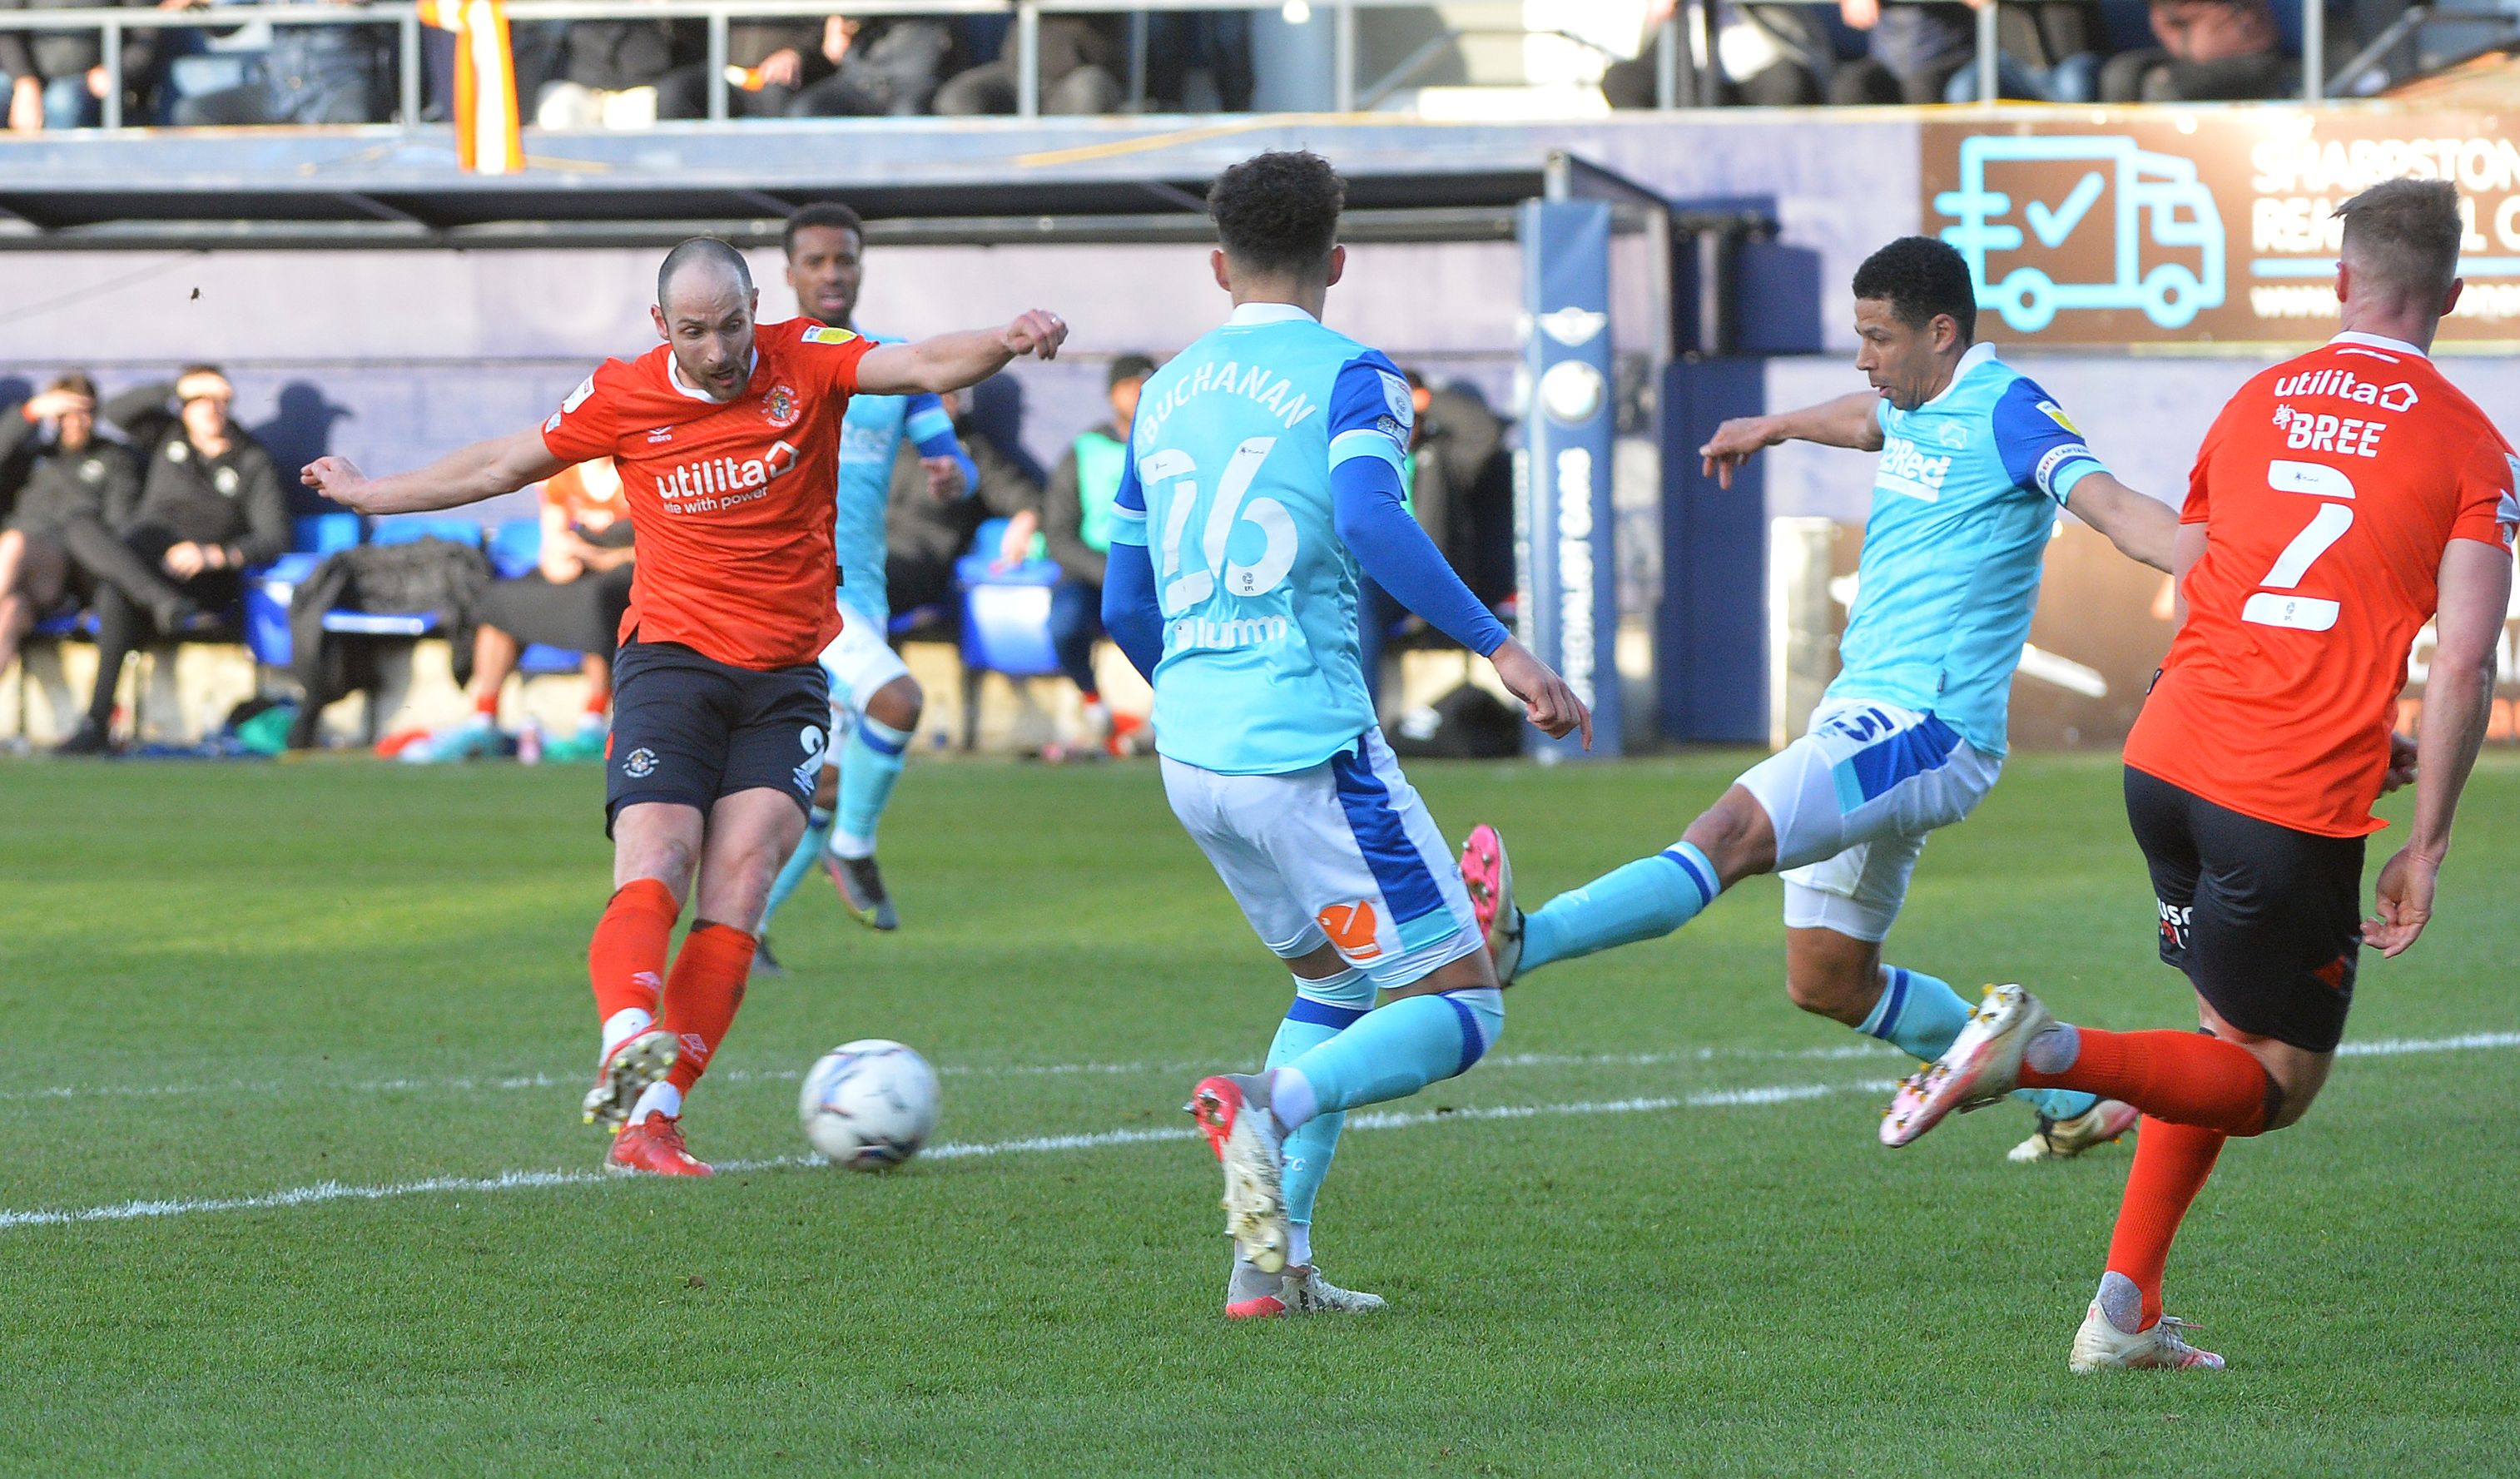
(1262, 482)
(875, 701)
(1975, 462)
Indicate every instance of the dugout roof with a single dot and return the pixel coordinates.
(915, 180)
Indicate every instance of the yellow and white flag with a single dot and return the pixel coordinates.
(486, 137)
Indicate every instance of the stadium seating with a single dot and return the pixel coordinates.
(516, 547)
(1006, 620)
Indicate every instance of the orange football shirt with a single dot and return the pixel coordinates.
(732, 502)
(2328, 488)
(587, 495)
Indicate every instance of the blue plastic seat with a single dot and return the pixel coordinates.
(324, 533)
(406, 529)
(516, 547)
(68, 624)
(382, 623)
(267, 593)
(1006, 613)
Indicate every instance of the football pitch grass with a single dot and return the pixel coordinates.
(306, 1043)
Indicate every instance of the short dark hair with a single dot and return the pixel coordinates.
(829, 213)
(2405, 233)
(1921, 277)
(701, 249)
(1278, 211)
(1129, 367)
(75, 382)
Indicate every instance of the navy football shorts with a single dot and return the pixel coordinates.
(689, 729)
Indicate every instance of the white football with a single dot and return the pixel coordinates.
(869, 1105)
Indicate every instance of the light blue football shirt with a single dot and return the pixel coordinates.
(1964, 504)
(1228, 483)
(871, 433)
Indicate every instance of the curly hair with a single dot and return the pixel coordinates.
(1278, 213)
(1920, 278)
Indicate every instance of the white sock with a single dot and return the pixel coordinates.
(1292, 1098)
(1299, 1244)
(622, 1026)
(848, 845)
(662, 1099)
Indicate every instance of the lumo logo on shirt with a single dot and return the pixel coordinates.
(1905, 470)
(697, 486)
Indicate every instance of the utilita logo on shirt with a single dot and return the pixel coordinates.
(1905, 470)
(721, 483)
(2343, 385)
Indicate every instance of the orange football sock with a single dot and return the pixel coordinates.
(703, 994)
(2170, 1164)
(626, 959)
(2183, 1077)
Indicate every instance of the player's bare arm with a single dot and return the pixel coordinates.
(2459, 696)
(483, 469)
(2144, 529)
(954, 360)
(1849, 421)
(1546, 700)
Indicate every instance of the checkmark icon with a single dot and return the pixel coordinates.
(2052, 227)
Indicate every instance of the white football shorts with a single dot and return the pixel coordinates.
(1853, 801)
(1345, 852)
(860, 661)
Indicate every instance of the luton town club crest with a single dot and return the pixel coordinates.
(781, 408)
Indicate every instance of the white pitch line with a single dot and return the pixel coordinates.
(517, 1180)
(2377, 1048)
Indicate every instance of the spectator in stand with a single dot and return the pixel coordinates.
(1460, 485)
(1769, 56)
(1082, 58)
(610, 70)
(311, 74)
(925, 532)
(211, 505)
(574, 601)
(67, 493)
(2211, 51)
(1910, 50)
(878, 68)
(2048, 51)
(1076, 524)
(57, 79)
(768, 62)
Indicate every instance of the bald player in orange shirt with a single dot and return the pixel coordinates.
(726, 438)
(2342, 500)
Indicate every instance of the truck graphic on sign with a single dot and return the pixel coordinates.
(2158, 202)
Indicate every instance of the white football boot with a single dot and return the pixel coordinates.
(2099, 1346)
(1983, 1064)
(1296, 1289)
(642, 1059)
(2063, 1139)
(1232, 1110)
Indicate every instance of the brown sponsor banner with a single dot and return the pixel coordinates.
(2101, 627)
(2161, 229)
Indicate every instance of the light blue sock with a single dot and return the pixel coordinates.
(1395, 1050)
(1646, 900)
(870, 765)
(1321, 1011)
(818, 827)
(1921, 1017)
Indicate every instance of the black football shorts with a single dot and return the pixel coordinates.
(689, 729)
(2265, 921)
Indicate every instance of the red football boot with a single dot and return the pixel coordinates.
(655, 1146)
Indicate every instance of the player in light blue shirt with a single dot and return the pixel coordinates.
(1976, 461)
(1262, 482)
(875, 701)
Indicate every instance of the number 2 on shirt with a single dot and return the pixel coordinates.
(1184, 590)
(2305, 613)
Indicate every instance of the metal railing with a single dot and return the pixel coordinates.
(1684, 49)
